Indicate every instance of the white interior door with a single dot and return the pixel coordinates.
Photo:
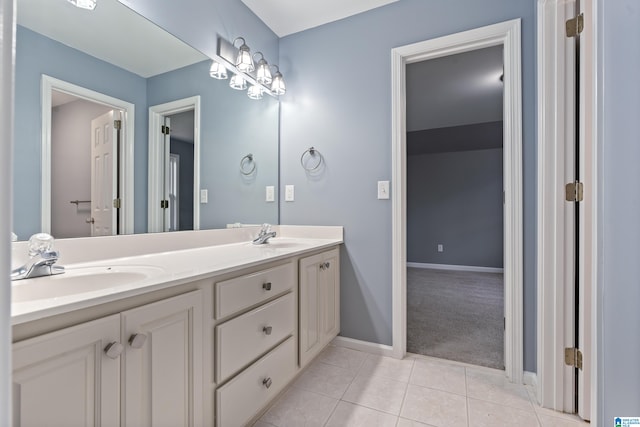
(104, 139)
(174, 192)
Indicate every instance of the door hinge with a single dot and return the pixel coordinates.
(117, 203)
(573, 357)
(574, 26)
(574, 191)
(164, 204)
(165, 130)
(117, 124)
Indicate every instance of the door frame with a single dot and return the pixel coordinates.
(156, 164)
(127, 160)
(556, 304)
(506, 34)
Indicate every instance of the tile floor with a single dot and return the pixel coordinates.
(344, 387)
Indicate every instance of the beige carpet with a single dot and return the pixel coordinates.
(456, 315)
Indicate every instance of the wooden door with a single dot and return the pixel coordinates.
(65, 378)
(163, 363)
(104, 140)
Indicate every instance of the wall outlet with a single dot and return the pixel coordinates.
(270, 193)
(440, 247)
(204, 196)
(383, 190)
(289, 193)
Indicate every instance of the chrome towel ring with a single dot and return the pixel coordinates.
(247, 165)
(307, 159)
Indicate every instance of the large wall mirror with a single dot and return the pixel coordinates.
(109, 77)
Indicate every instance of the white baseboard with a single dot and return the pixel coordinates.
(456, 267)
(365, 346)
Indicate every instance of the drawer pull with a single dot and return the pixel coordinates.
(266, 286)
(266, 382)
(137, 340)
(267, 330)
(113, 350)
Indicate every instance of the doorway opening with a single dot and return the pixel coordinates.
(506, 35)
(71, 198)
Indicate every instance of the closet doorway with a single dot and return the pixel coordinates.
(507, 36)
(455, 286)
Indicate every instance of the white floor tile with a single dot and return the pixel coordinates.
(325, 379)
(563, 421)
(403, 422)
(300, 408)
(343, 357)
(440, 376)
(497, 389)
(434, 407)
(381, 393)
(348, 414)
(260, 423)
(382, 366)
(488, 414)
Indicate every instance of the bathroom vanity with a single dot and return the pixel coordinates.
(209, 331)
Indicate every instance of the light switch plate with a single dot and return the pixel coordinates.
(270, 195)
(383, 190)
(204, 196)
(289, 193)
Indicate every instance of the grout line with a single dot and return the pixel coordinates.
(466, 392)
(332, 411)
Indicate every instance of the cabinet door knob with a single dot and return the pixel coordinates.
(266, 286)
(267, 330)
(322, 266)
(113, 350)
(137, 340)
(266, 382)
(328, 264)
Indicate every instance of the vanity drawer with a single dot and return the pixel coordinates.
(244, 338)
(241, 292)
(240, 399)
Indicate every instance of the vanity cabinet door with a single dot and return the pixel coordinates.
(319, 303)
(66, 378)
(162, 363)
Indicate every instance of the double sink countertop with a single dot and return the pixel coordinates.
(106, 269)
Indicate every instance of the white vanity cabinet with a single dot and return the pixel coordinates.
(72, 377)
(319, 302)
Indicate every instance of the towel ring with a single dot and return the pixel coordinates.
(247, 165)
(310, 153)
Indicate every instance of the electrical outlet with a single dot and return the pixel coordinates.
(204, 196)
(270, 193)
(440, 247)
(289, 193)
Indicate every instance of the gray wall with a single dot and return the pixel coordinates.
(71, 167)
(455, 199)
(618, 225)
(185, 181)
(339, 101)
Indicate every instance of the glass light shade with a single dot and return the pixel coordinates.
(263, 73)
(84, 4)
(218, 71)
(277, 85)
(254, 92)
(237, 82)
(244, 62)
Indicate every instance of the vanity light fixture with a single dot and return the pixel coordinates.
(84, 4)
(263, 73)
(218, 71)
(237, 82)
(255, 92)
(244, 62)
(277, 85)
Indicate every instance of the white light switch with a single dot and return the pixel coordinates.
(270, 193)
(289, 195)
(204, 196)
(383, 190)
(440, 247)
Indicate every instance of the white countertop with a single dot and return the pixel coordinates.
(165, 269)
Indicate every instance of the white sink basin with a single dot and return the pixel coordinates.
(80, 280)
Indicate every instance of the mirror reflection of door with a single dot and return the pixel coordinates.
(178, 171)
(72, 191)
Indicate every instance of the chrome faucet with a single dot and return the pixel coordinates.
(264, 235)
(42, 259)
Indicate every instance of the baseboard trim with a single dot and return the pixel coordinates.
(456, 267)
(365, 346)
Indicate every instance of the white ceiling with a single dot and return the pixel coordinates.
(286, 17)
(112, 32)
